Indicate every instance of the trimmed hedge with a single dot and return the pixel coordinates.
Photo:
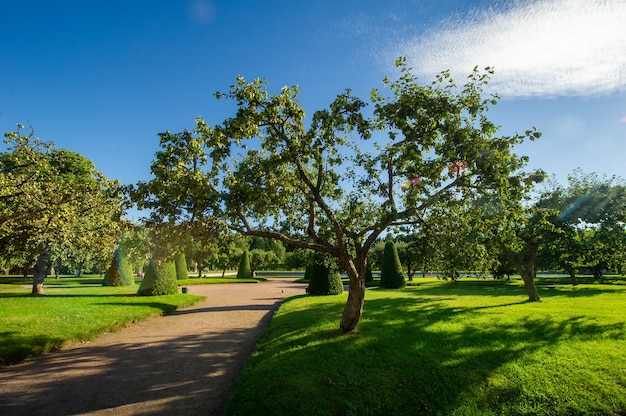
(324, 281)
(159, 279)
(244, 271)
(181, 266)
(391, 273)
(120, 273)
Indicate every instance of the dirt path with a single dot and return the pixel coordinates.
(185, 363)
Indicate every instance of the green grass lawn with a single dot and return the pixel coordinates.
(473, 347)
(73, 310)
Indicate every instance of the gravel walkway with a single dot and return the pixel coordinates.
(185, 363)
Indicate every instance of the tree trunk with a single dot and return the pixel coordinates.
(39, 274)
(573, 276)
(531, 288)
(525, 266)
(354, 305)
(356, 293)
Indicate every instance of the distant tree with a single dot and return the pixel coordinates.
(244, 271)
(258, 243)
(262, 259)
(298, 258)
(391, 273)
(591, 213)
(54, 201)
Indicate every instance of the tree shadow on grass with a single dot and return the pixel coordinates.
(414, 354)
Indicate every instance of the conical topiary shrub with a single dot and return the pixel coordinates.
(391, 274)
(324, 281)
(369, 277)
(120, 273)
(181, 266)
(159, 279)
(244, 271)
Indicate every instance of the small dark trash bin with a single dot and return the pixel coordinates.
(185, 290)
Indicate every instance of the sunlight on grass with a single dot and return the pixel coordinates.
(444, 348)
(72, 313)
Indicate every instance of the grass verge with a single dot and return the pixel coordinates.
(73, 310)
(444, 348)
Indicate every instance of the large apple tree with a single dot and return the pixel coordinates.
(334, 182)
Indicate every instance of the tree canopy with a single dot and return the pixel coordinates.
(335, 186)
(53, 200)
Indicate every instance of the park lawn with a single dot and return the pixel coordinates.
(73, 310)
(473, 347)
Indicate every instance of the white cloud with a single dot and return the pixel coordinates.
(538, 48)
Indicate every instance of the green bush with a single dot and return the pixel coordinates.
(324, 281)
(391, 273)
(120, 273)
(181, 266)
(244, 271)
(307, 272)
(159, 279)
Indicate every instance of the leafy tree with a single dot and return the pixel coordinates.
(298, 258)
(52, 201)
(244, 271)
(591, 217)
(391, 273)
(262, 259)
(518, 230)
(335, 186)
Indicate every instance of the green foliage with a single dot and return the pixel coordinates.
(334, 186)
(244, 271)
(55, 204)
(308, 272)
(391, 274)
(181, 266)
(258, 243)
(159, 278)
(324, 281)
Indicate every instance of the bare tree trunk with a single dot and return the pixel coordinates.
(525, 268)
(531, 288)
(39, 273)
(354, 307)
(573, 276)
(356, 293)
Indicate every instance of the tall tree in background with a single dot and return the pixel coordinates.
(335, 186)
(591, 216)
(53, 199)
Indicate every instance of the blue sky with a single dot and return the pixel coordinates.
(102, 78)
